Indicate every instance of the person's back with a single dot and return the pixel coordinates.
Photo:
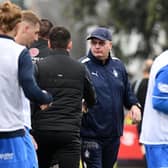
(64, 78)
(9, 85)
(57, 130)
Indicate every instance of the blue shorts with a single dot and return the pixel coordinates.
(157, 156)
(13, 153)
(18, 152)
(32, 156)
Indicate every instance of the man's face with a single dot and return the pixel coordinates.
(100, 49)
(31, 33)
(28, 33)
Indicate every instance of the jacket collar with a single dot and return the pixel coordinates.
(7, 37)
(60, 51)
(40, 43)
(94, 59)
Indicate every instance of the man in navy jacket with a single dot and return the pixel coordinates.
(102, 126)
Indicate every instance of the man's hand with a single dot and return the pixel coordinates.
(45, 106)
(135, 114)
(34, 142)
(84, 107)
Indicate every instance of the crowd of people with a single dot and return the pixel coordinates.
(56, 111)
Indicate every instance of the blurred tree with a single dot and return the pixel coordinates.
(146, 17)
(19, 2)
(88, 8)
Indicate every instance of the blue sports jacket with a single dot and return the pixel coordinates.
(113, 93)
(160, 91)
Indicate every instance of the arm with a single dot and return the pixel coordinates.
(160, 91)
(131, 102)
(27, 80)
(129, 96)
(89, 92)
(135, 107)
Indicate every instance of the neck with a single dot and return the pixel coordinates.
(104, 61)
(19, 40)
(146, 75)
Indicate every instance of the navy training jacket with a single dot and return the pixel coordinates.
(105, 119)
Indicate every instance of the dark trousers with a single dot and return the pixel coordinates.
(62, 148)
(99, 153)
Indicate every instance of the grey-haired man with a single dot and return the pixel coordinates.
(102, 126)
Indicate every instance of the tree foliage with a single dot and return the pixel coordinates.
(146, 17)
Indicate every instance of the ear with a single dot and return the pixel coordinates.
(49, 44)
(110, 45)
(69, 47)
(25, 28)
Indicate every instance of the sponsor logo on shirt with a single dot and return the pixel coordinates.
(94, 73)
(34, 52)
(115, 73)
(163, 87)
(6, 156)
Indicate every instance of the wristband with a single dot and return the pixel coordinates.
(138, 105)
